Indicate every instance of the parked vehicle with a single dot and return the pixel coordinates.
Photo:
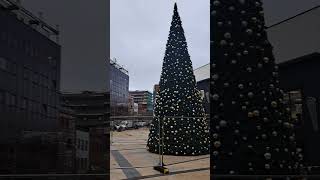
(141, 124)
(120, 127)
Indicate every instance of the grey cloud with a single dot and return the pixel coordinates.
(139, 32)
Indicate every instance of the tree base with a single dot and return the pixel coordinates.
(173, 152)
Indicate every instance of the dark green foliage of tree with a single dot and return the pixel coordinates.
(251, 130)
(178, 104)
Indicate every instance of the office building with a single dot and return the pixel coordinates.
(119, 89)
(144, 101)
(29, 91)
(133, 107)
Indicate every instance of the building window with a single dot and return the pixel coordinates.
(67, 123)
(2, 100)
(84, 162)
(78, 144)
(312, 106)
(11, 99)
(44, 108)
(54, 84)
(86, 146)
(294, 100)
(3, 36)
(25, 73)
(2, 97)
(42, 80)
(3, 64)
(35, 78)
(46, 82)
(82, 145)
(14, 68)
(24, 103)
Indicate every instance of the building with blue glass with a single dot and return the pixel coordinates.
(119, 89)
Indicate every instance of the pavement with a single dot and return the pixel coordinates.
(129, 159)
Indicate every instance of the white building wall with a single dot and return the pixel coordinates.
(202, 73)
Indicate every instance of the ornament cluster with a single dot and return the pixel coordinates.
(179, 114)
(251, 129)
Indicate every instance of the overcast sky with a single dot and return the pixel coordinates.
(139, 31)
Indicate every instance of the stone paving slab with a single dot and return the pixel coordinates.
(131, 145)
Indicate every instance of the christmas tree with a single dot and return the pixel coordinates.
(251, 130)
(178, 114)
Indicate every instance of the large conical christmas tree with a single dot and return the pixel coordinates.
(179, 113)
(251, 130)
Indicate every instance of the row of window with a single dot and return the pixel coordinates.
(119, 84)
(118, 97)
(40, 79)
(82, 144)
(11, 100)
(41, 94)
(13, 41)
(28, 74)
(8, 99)
(8, 66)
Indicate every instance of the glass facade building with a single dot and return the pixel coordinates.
(29, 91)
(119, 89)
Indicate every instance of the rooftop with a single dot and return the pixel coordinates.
(139, 91)
(113, 62)
(30, 19)
(84, 93)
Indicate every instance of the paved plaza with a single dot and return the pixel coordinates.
(131, 160)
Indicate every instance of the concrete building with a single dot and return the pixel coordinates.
(144, 101)
(133, 107)
(92, 112)
(297, 52)
(67, 143)
(119, 89)
(202, 75)
(29, 91)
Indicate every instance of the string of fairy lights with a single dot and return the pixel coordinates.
(178, 96)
